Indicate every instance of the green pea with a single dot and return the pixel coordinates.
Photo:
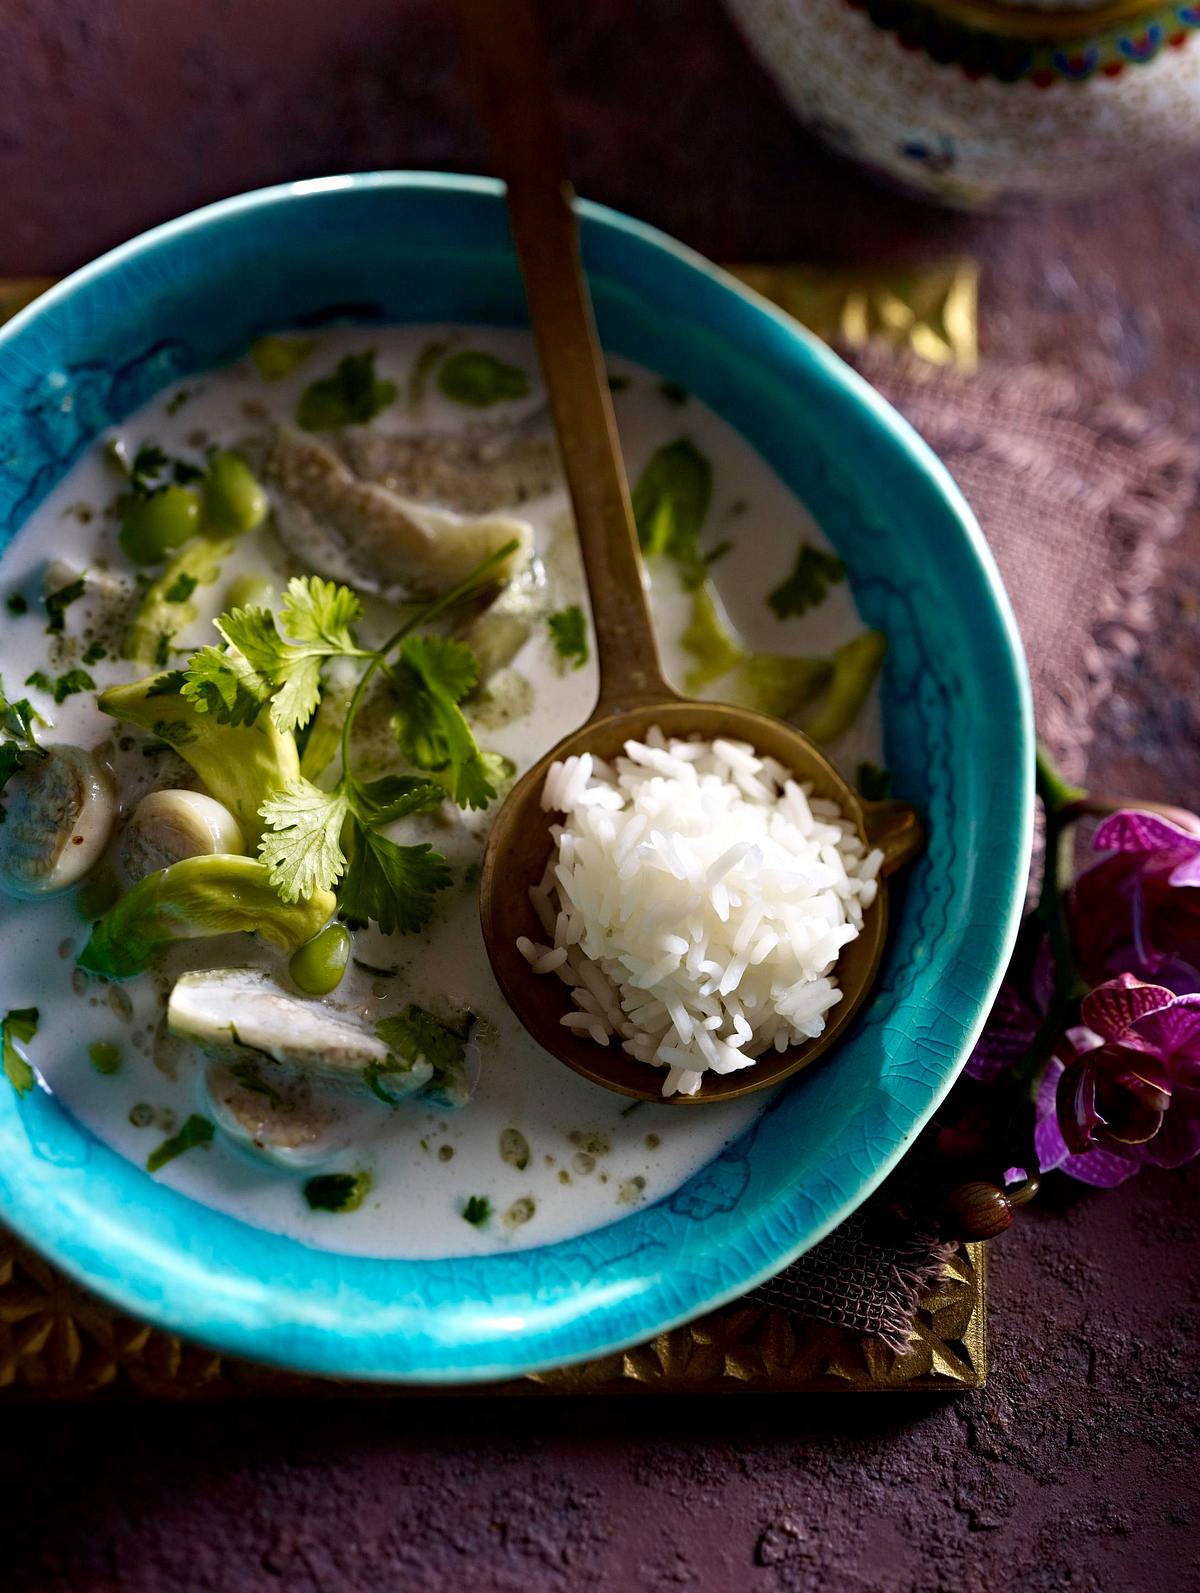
(249, 591)
(319, 964)
(155, 525)
(106, 1058)
(233, 496)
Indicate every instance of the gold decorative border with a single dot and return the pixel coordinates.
(59, 1342)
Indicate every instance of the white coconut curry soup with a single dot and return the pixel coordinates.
(272, 653)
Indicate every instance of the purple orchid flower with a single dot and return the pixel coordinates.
(1138, 910)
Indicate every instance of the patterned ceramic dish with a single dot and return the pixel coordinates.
(405, 247)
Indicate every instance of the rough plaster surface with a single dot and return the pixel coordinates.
(1077, 1468)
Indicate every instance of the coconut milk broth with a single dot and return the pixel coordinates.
(591, 1157)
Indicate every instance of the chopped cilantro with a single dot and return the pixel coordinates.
(815, 571)
(63, 686)
(196, 1131)
(670, 505)
(352, 396)
(162, 649)
(873, 781)
(183, 473)
(569, 630)
(17, 603)
(337, 1192)
(415, 1035)
(57, 603)
(480, 380)
(477, 1210)
(181, 588)
(18, 1024)
(177, 400)
(431, 677)
(95, 652)
(148, 464)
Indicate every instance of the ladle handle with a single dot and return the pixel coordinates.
(512, 81)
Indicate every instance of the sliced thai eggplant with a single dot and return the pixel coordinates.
(59, 815)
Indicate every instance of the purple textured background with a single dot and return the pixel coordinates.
(1077, 1467)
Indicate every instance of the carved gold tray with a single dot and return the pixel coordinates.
(58, 1342)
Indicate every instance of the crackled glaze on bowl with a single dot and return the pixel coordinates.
(958, 740)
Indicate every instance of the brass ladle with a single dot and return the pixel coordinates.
(513, 84)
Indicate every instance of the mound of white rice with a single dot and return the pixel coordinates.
(696, 902)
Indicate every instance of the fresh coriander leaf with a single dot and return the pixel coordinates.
(670, 504)
(294, 672)
(673, 392)
(57, 603)
(181, 588)
(394, 885)
(480, 380)
(17, 603)
(95, 652)
(569, 630)
(73, 681)
(415, 1035)
(873, 781)
(320, 612)
(337, 1192)
(302, 846)
(18, 1024)
(41, 680)
(222, 683)
(815, 571)
(162, 650)
(183, 473)
(431, 676)
(352, 396)
(477, 1210)
(196, 1131)
(17, 720)
(395, 797)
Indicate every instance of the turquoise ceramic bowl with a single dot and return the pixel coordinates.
(959, 741)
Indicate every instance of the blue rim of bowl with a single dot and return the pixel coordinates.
(144, 1283)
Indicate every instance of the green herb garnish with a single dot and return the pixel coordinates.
(337, 1192)
(63, 686)
(95, 652)
(873, 781)
(569, 631)
(477, 1210)
(196, 1131)
(352, 396)
(19, 1024)
(181, 588)
(814, 573)
(57, 603)
(480, 380)
(670, 504)
(415, 1036)
(264, 667)
(17, 603)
